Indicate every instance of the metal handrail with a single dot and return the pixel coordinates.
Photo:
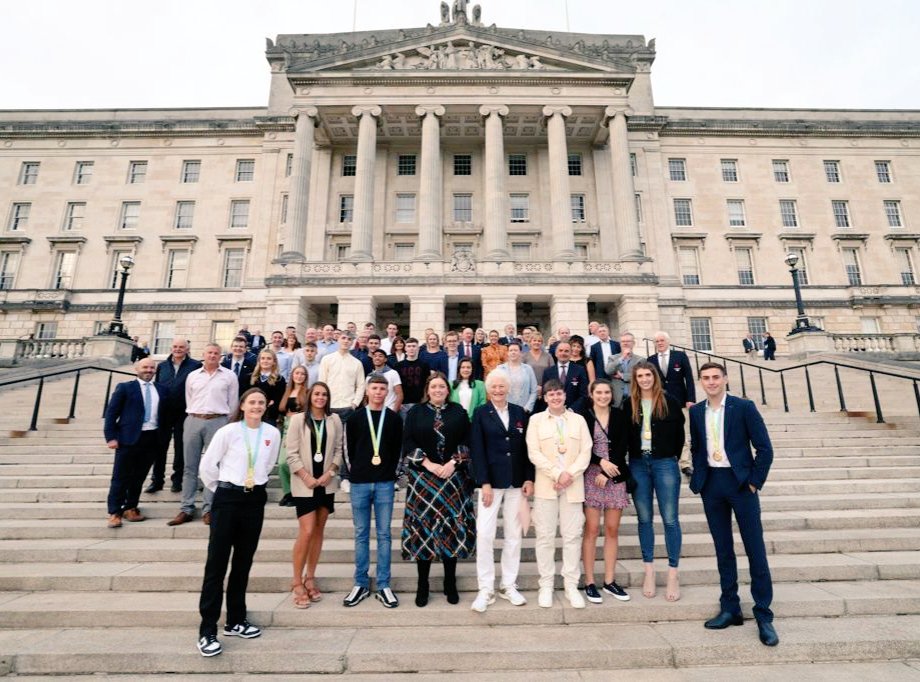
(804, 365)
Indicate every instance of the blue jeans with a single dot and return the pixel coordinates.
(380, 496)
(661, 477)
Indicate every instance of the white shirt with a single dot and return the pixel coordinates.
(344, 374)
(227, 458)
(393, 380)
(590, 340)
(663, 359)
(285, 360)
(605, 350)
(386, 343)
(465, 393)
(217, 393)
(504, 416)
(719, 415)
(150, 424)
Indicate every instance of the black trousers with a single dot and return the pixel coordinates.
(236, 523)
(132, 463)
(172, 427)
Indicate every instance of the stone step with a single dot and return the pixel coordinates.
(577, 646)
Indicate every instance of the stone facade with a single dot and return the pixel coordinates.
(459, 174)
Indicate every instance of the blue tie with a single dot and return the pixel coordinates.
(236, 368)
(147, 402)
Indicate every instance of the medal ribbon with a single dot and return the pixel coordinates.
(376, 435)
(647, 422)
(560, 430)
(318, 432)
(715, 429)
(251, 455)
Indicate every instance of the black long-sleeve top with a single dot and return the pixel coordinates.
(668, 434)
(418, 432)
(274, 393)
(360, 448)
(617, 436)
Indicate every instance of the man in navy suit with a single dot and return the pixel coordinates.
(132, 420)
(573, 377)
(468, 349)
(677, 377)
(728, 477)
(239, 361)
(602, 350)
(171, 374)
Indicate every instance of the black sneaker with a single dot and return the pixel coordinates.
(357, 595)
(616, 591)
(592, 595)
(387, 598)
(286, 501)
(209, 646)
(246, 630)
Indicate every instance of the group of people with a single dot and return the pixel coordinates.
(584, 427)
(767, 345)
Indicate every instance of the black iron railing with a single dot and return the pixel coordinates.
(784, 372)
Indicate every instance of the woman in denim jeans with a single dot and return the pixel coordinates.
(656, 437)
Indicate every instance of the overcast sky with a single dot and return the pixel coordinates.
(63, 54)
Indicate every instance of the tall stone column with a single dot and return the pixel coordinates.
(426, 310)
(559, 195)
(496, 214)
(624, 191)
(569, 310)
(362, 226)
(430, 209)
(299, 193)
(357, 309)
(498, 310)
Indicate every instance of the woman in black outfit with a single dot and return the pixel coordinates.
(267, 378)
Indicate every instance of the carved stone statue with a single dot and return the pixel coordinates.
(460, 11)
(445, 13)
(477, 15)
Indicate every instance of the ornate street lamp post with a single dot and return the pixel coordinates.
(801, 321)
(116, 326)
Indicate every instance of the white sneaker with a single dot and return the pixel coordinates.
(575, 598)
(512, 595)
(345, 486)
(483, 600)
(545, 598)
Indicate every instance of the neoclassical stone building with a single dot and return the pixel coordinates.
(459, 173)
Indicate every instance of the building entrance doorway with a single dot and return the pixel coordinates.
(460, 314)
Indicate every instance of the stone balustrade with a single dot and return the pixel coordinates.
(44, 349)
(876, 343)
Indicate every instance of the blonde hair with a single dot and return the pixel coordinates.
(273, 375)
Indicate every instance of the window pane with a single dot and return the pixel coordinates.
(893, 213)
(406, 164)
(841, 213)
(517, 164)
(883, 171)
(19, 216)
(349, 165)
(463, 208)
(137, 172)
(745, 264)
(788, 213)
(757, 326)
(405, 208)
(403, 252)
(191, 171)
(634, 165)
(73, 217)
(683, 215)
(63, 275)
(638, 208)
(520, 208)
(288, 165)
(832, 171)
(284, 208)
(800, 266)
(45, 331)
(905, 266)
(28, 173)
(574, 164)
(346, 208)
(578, 208)
(245, 170)
(781, 171)
(736, 213)
(114, 279)
(83, 172)
(163, 334)
(239, 213)
(677, 169)
(177, 269)
(130, 214)
(689, 266)
(701, 333)
(851, 266)
(9, 262)
(185, 214)
(729, 170)
(233, 268)
(463, 164)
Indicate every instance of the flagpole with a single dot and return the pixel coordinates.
(354, 17)
(567, 28)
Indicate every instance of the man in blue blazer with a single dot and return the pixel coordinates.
(468, 349)
(132, 420)
(677, 377)
(572, 376)
(602, 350)
(240, 361)
(728, 477)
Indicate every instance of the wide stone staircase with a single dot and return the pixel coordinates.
(841, 513)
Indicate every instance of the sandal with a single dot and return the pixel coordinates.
(312, 592)
(301, 597)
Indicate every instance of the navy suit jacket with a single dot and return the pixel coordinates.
(500, 455)
(174, 382)
(597, 357)
(476, 357)
(249, 364)
(576, 384)
(124, 415)
(678, 377)
(743, 428)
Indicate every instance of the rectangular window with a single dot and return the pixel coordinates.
(288, 165)
(28, 172)
(574, 164)
(185, 215)
(683, 213)
(634, 165)
(517, 164)
(883, 171)
(177, 269)
(9, 263)
(577, 202)
(245, 170)
(405, 208)
(841, 213)
(744, 260)
(349, 165)
(342, 252)
(851, 266)
(83, 172)
(701, 333)
(638, 208)
(520, 251)
(789, 212)
(893, 213)
(137, 172)
(463, 164)
(191, 171)
(63, 269)
(757, 326)
(832, 171)
(736, 216)
(729, 170)
(73, 215)
(689, 262)
(239, 213)
(677, 169)
(463, 208)
(233, 268)
(520, 208)
(905, 266)
(130, 215)
(405, 164)
(403, 252)
(781, 170)
(346, 208)
(163, 334)
(223, 332)
(581, 251)
(284, 208)
(45, 331)
(19, 217)
(870, 325)
(801, 266)
(114, 276)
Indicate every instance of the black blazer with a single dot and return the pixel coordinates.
(668, 434)
(418, 433)
(174, 383)
(273, 393)
(476, 358)
(616, 443)
(500, 455)
(597, 357)
(249, 365)
(576, 384)
(124, 415)
(677, 377)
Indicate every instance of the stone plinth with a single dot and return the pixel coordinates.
(803, 344)
(115, 348)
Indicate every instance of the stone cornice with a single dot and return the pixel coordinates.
(162, 128)
(791, 127)
(386, 282)
(434, 78)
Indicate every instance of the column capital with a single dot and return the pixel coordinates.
(424, 109)
(489, 109)
(550, 111)
(296, 112)
(614, 111)
(362, 109)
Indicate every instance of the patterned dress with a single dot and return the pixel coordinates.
(439, 521)
(611, 495)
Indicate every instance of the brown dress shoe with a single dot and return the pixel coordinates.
(134, 515)
(206, 518)
(114, 521)
(181, 517)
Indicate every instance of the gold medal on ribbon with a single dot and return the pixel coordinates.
(318, 457)
(375, 460)
(647, 435)
(717, 456)
(561, 448)
(252, 455)
(376, 435)
(249, 483)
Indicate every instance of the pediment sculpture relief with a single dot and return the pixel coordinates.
(460, 57)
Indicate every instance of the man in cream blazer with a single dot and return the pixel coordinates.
(559, 445)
